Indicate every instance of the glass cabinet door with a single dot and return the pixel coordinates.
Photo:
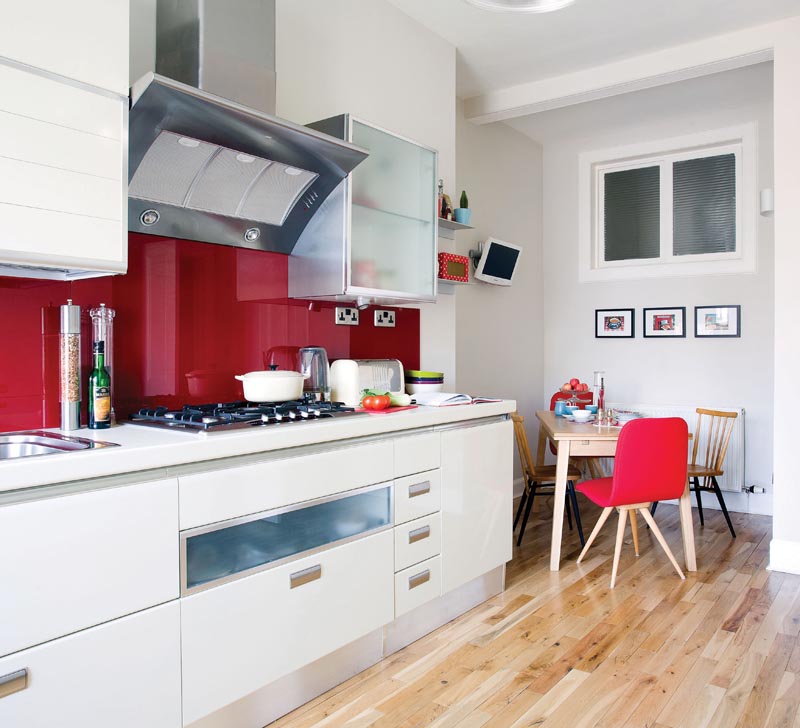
(393, 221)
(243, 545)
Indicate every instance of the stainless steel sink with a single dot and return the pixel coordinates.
(31, 443)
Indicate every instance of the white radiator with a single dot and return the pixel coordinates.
(733, 480)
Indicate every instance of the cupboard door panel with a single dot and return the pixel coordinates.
(417, 585)
(124, 674)
(477, 485)
(243, 635)
(79, 560)
(416, 453)
(417, 495)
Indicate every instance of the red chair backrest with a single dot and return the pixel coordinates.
(584, 398)
(650, 461)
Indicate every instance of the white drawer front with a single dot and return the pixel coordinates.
(416, 585)
(417, 540)
(245, 634)
(263, 486)
(79, 560)
(417, 495)
(416, 453)
(124, 674)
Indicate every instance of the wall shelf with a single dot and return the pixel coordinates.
(448, 228)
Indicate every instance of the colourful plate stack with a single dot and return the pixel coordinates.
(418, 381)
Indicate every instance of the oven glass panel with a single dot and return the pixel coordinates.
(271, 538)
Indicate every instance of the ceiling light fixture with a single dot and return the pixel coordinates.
(521, 6)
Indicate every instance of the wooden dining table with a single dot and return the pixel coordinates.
(589, 440)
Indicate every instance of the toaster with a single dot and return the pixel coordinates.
(381, 374)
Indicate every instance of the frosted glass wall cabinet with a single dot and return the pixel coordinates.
(374, 239)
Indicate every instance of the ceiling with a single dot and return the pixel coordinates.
(497, 50)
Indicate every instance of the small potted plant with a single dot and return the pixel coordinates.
(463, 213)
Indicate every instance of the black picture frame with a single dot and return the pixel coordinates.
(614, 323)
(664, 322)
(718, 322)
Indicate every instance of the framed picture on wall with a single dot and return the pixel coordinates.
(659, 323)
(614, 323)
(717, 321)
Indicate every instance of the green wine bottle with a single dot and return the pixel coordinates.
(99, 390)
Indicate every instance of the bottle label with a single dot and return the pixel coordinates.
(102, 404)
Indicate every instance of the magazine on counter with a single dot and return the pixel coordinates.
(448, 399)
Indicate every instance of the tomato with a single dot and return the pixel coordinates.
(375, 402)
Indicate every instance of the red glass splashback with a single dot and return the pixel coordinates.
(189, 317)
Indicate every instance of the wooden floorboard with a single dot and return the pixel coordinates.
(563, 650)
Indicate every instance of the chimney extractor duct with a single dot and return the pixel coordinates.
(207, 168)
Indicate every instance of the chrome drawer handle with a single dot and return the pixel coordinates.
(419, 579)
(13, 682)
(418, 534)
(419, 489)
(312, 573)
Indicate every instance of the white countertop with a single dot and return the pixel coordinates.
(146, 448)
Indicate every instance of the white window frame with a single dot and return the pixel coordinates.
(741, 140)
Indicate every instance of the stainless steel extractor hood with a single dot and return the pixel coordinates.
(208, 168)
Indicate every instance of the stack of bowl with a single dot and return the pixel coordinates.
(418, 381)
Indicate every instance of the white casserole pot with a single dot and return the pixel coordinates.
(275, 386)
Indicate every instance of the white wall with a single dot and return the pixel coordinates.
(785, 547)
(500, 330)
(690, 371)
(368, 58)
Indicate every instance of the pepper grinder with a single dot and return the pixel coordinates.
(70, 389)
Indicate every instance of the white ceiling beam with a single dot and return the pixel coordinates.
(690, 60)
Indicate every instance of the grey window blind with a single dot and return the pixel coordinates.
(704, 205)
(632, 214)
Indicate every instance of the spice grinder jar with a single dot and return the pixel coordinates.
(70, 386)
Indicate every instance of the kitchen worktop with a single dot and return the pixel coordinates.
(146, 448)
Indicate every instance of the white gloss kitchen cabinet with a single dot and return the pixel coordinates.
(477, 475)
(374, 239)
(89, 617)
(64, 139)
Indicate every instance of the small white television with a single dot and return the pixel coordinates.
(498, 262)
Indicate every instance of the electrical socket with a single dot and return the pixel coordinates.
(346, 316)
(384, 318)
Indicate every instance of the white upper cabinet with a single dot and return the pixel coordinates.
(374, 238)
(64, 139)
(86, 40)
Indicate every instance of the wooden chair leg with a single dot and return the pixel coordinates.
(623, 515)
(574, 498)
(722, 504)
(597, 526)
(519, 509)
(699, 499)
(591, 464)
(567, 508)
(634, 532)
(525, 517)
(657, 532)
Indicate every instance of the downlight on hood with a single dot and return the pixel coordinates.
(205, 168)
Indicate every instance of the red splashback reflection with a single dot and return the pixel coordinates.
(189, 317)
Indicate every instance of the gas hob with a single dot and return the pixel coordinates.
(225, 416)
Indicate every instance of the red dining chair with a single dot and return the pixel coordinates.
(650, 466)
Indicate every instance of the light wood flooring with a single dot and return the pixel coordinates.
(561, 649)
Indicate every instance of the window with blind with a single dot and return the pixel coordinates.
(674, 207)
(670, 207)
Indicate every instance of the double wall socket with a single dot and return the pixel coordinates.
(347, 316)
(384, 318)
